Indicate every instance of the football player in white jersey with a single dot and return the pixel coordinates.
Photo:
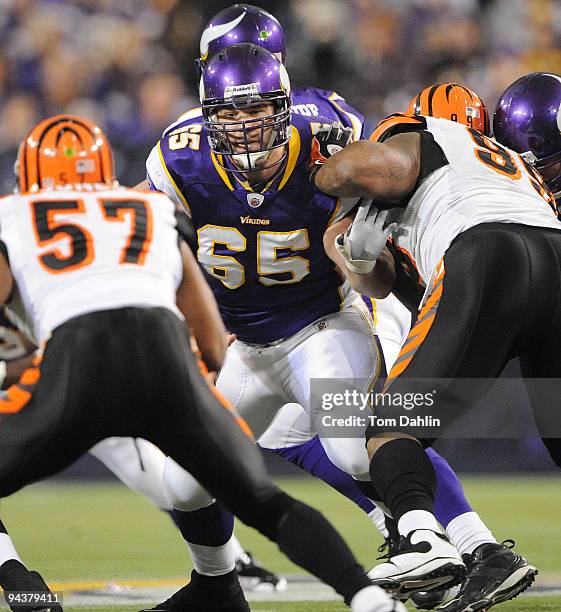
(109, 286)
(481, 226)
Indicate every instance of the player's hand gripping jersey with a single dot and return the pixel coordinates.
(263, 252)
(475, 181)
(74, 252)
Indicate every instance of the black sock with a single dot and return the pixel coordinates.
(367, 488)
(403, 475)
(307, 538)
(391, 526)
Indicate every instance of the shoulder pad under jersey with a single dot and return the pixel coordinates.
(398, 124)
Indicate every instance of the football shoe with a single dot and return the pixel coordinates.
(424, 561)
(374, 599)
(496, 573)
(254, 577)
(206, 594)
(15, 577)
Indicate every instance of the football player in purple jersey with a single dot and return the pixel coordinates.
(242, 174)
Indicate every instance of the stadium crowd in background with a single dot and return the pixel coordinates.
(128, 64)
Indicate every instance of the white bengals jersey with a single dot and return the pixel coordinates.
(482, 182)
(74, 252)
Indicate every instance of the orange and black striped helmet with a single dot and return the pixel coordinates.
(64, 150)
(452, 101)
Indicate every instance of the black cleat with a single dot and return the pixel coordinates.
(495, 574)
(206, 594)
(253, 577)
(14, 576)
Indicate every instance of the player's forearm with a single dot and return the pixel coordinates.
(372, 170)
(197, 304)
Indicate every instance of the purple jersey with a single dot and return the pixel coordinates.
(313, 102)
(262, 252)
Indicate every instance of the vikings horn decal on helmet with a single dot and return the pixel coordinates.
(528, 120)
(451, 101)
(64, 150)
(243, 77)
(238, 24)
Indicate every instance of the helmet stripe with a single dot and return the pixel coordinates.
(432, 91)
(217, 31)
(40, 139)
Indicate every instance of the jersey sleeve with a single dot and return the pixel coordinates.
(160, 179)
(432, 155)
(349, 116)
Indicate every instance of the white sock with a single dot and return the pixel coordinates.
(213, 560)
(7, 549)
(379, 519)
(417, 519)
(468, 531)
(238, 548)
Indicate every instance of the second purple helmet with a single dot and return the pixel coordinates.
(528, 120)
(242, 23)
(239, 81)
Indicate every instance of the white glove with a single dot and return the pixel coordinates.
(365, 239)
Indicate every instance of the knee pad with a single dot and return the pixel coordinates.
(350, 458)
(182, 491)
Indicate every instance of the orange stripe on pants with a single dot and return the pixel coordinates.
(419, 332)
(242, 423)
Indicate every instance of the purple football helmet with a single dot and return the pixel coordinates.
(242, 77)
(238, 24)
(528, 120)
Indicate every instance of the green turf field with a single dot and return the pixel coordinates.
(103, 532)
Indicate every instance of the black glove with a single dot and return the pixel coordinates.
(328, 141)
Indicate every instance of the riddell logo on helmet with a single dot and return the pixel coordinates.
(240, 90)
